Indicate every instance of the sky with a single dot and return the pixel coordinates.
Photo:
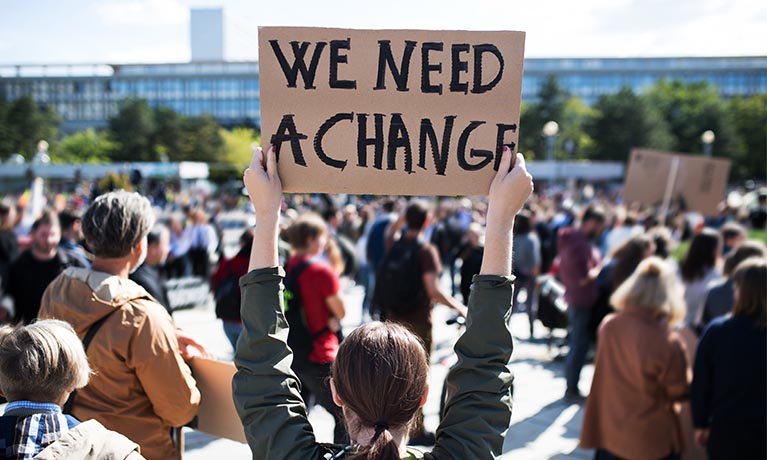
(149, 31)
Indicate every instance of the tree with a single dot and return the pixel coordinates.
(749, 116)
(573, 141)
(689, 109)
(24, 124)
(623, 121)
(87, 146)
(202, 140)
(550, 105)
(132, 130)
(169, 133)
(237, 149)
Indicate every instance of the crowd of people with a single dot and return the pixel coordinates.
(680, 344)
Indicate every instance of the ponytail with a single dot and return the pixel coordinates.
(381, 447)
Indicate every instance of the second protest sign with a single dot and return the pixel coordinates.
(389, 111)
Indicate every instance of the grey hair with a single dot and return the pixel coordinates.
(41, 361)
(116, 222)
(156, 233)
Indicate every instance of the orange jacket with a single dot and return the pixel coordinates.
(141, 387)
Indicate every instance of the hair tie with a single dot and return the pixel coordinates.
(381, 425)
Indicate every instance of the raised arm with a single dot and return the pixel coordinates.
(478, 409)
(266, 392)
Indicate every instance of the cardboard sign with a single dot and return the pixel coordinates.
(699, 183)
(216, 414)
(406, 112)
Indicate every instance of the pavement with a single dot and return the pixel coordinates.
(542, 425)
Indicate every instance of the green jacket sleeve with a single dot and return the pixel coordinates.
(266, 391)
(478, 409)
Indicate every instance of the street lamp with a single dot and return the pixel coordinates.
(550, 130)
(707, 138)
(41, 157)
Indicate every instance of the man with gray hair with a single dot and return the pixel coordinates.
(142, 387)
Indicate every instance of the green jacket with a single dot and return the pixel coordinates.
(268, 398)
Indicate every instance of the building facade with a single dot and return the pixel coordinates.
(87, 95)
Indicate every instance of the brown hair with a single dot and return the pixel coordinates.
(380, 374)
(750, 278)
(701, 256)
(628, 255)
(306, 227)
(751, 248)
(47, 218)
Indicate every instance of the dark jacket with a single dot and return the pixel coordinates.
(268, 398)
(149, 278)
(576, 257)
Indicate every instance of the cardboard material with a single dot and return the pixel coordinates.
(699, 182)
(216, 415)
(407, 112)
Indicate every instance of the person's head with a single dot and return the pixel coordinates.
(593, 221)
(7, 217)
(198, 216)
(332, 216)
(158, 245)
(46, 234)
(246, 240)
(628, 255)
(308, 234)
(751, 248)
(116, 225)
(751, 290)
(387, 206)
(664, 242)
(733, 235)
(416, 215)
(379, 379)
(653, 287)
(71, 225)
(42, 362)
(474, 235)
(701, 256)
(523, 222)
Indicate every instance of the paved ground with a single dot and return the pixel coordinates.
(542, 425)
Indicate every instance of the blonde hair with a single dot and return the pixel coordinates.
(653, 286)
(41, 361)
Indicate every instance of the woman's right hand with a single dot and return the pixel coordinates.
(263, 183)
(509, 190)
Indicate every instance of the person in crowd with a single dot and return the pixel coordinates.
(225, 285)
(32, 272)
(379, 377)
(148, 274)
(341, 245)
(179, 263)
(698, 269)
(729, 402)
(471, 257)
(71, 236)
(720, 295)
(640, 371)
(733, 235)
(375, 250)
(142, 387)
(757, 217)
(204, 242)
(621, 264)
(351, 225)
(526, 264)
(9, 244)
(624, 227)
(323, 307)
(41, 364)
(578, 259)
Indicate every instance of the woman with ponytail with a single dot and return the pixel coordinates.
(379, 377)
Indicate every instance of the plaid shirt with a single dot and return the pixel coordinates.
(27, 427)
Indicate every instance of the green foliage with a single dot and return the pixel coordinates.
(623, 121)
(23, 124)
(201, 140)
(132, 130)
(552, 99)
(238, 146)
(87, 146)
(749, 117)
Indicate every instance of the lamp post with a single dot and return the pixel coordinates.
(707, 138)
(550, 130)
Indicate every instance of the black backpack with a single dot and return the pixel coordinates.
(399, 283)
(300, 340)
(228, 296)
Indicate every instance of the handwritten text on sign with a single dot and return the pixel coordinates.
(402, 112)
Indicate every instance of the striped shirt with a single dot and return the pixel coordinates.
(28, 427)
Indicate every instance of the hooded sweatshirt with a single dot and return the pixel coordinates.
(576, 257)
(141, 386)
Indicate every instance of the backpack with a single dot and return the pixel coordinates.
(228, 296)
(399, 283)
(300, 340)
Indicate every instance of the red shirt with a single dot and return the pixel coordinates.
(318, 282)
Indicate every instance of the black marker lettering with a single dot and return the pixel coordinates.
(299, 63)
(439, 156)
(329, 123)
(363, 141)
(385, 58)
(398, 138)
(499, 144)
(487, 155)
(427, 68)
(287, 132)
(479, 50)
(337, 58)
(458, 66)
